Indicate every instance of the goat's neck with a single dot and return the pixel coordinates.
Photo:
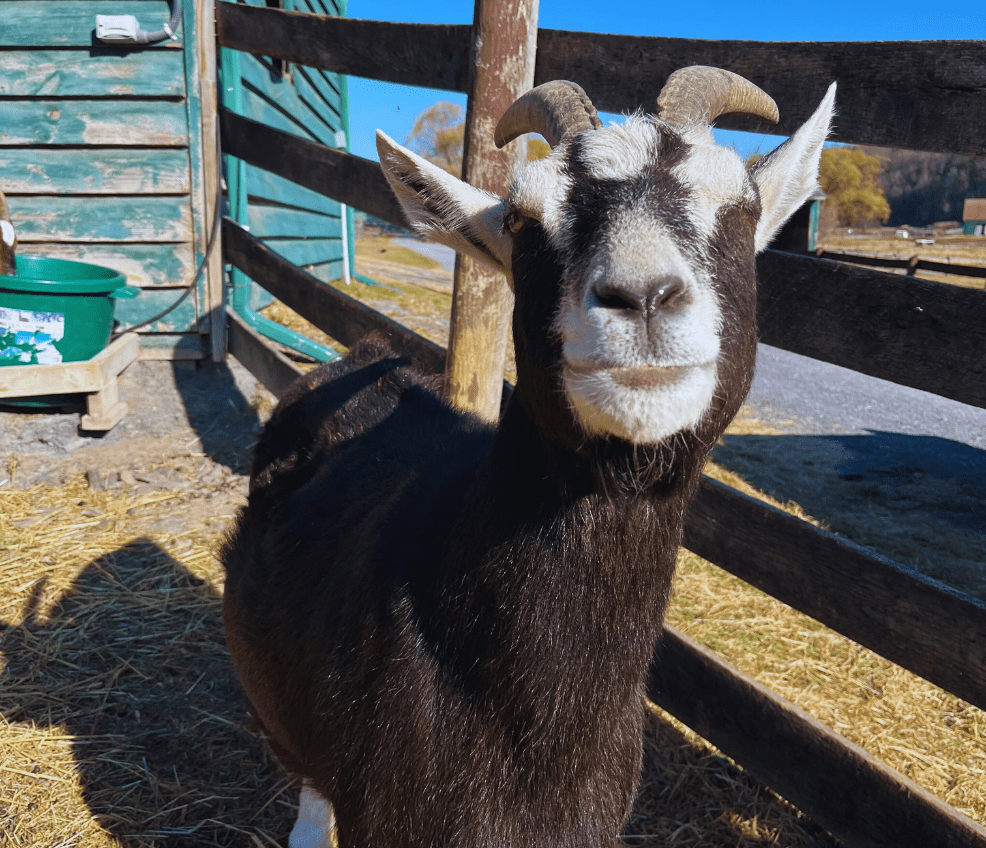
(579, 593)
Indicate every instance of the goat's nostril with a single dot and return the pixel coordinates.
(613, 297)
(665, 294)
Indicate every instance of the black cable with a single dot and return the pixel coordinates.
(213, 238)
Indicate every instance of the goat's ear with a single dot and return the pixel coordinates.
(787, 176)
(444, 208)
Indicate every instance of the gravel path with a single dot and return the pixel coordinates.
(443, 255)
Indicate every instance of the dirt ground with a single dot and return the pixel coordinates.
(189, 428)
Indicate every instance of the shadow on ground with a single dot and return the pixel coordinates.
(225, 421)
(131, 660)
(917, 499)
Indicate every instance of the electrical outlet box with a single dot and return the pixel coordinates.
(117, 29)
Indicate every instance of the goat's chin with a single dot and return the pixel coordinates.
(645, 406)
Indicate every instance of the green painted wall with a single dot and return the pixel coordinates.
(100, 153)
(302, 225)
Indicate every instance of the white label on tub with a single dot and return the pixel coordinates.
(29, 337)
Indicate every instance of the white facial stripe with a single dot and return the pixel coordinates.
(7, 231)
(621, 152)
(715, 176)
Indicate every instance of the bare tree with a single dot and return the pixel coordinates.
(438, 134)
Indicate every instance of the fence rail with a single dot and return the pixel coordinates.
(917, 333)
(913, 332)
(911, 264)
(925, 95)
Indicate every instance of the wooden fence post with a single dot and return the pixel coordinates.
(504, 43)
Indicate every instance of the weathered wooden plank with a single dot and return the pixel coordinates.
(178, 346)
(316, 107)
(429, 55)
(840, 786)
(327, 272)
(926, 95)
(145, 265)
(152, 301)
(925, 626)
(325, 83)
(263, 186)
(144, 218)
(914, 332)
(342, 317)
(304, 252)
(89, 375)
(94, 72)
(274, 370)
(277, 221)
(278, 104)
(150, 123)
(71, 23)
(349, 179)
(504, 43)
(95, 171)
(318, 7)
(201, 74)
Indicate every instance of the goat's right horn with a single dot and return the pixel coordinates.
(700, 94)
(555, 109)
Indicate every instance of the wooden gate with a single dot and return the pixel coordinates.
(921, 95)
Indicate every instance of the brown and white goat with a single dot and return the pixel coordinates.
(445, 628)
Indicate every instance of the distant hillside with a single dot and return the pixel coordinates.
(926, 187)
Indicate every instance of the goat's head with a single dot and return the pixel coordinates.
(630, 248)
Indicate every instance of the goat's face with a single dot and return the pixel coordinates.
(645, 235)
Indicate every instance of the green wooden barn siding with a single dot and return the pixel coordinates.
(100, 152)
(302, 225)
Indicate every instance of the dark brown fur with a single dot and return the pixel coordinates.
(447, 628)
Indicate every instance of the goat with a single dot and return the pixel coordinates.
(445, 628)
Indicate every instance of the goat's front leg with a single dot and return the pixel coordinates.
(313, 828)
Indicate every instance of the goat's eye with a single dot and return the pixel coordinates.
(513, 220)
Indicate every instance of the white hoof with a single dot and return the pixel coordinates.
(313, 829)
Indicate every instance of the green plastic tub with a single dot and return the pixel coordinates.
(56, 310)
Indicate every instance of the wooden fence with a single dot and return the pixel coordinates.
(923, 95)
(910, 265)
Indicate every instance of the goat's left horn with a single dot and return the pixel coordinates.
(701, 94)
(555, 109)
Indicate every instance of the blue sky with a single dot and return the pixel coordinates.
(393, 108)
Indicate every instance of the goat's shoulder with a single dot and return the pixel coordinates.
(337, 405)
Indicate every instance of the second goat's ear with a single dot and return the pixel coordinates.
(444, 208)
(787, 176)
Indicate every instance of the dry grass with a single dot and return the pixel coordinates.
(121, 722)
(382, 247)
(959, 249)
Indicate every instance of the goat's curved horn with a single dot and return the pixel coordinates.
(700, 94)
(555, 109)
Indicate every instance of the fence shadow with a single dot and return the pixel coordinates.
(917, 499)
(131, 660)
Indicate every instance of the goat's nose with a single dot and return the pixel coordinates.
(661, 294)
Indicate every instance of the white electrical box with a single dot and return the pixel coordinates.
(117, 29)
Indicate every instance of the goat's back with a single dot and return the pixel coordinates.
(356, 479)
